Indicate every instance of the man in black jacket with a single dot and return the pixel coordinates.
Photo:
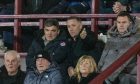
(50, 39)
(82, 40)
(10, 73)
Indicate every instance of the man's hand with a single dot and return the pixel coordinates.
(83, 34)
(71, 71)
(118, 7)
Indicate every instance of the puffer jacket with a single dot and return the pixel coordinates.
(50, 76)
(57, 48)
(116, 46)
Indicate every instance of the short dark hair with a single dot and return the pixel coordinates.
(125, 13)
(51, 22)
(74, 17)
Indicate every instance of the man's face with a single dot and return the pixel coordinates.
(11, 63)
(122, 24)
(42, 64)
(51, 32)
(74, 27)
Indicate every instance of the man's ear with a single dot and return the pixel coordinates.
(58, 31)
(131, 23)
(81, 25)
(130, 27)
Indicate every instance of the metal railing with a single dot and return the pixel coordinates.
(115, 65)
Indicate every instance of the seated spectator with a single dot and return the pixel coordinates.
(127, 5)
(10, 72)
(122, 36)
(46, 72)
(53, 40)
(85, 70)
(106, 6)
(118, 7)
(82, 40)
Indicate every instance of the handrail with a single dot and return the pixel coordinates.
(60, 23)
(138, 69)
(38, 16)
(17, 22)
(115, 65)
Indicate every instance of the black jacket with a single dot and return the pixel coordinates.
(57, 48)
(84, 80)
(6, 79)
(81, 47)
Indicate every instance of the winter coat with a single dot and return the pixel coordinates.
(6, 79)
(116, 46)
(57, 48)
(84, 80)
(50, 76)
(80, 46)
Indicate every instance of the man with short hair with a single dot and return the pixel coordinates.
(10, 73)
(82, 41)
(52, 40)
(46, 72)
(122, 36)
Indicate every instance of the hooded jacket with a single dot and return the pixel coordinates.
(116, 46)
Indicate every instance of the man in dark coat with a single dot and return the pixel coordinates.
(10, 73)
(52, 40)
(82, 40)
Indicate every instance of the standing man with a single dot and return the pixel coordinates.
(121, 37)
(10, 73)
(46, 72)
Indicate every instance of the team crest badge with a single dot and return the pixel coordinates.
(62, 44)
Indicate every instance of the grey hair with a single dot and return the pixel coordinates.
(13, 52)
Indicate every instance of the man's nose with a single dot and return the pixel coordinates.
(10, 62)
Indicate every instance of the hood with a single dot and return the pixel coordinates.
(133, 28)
